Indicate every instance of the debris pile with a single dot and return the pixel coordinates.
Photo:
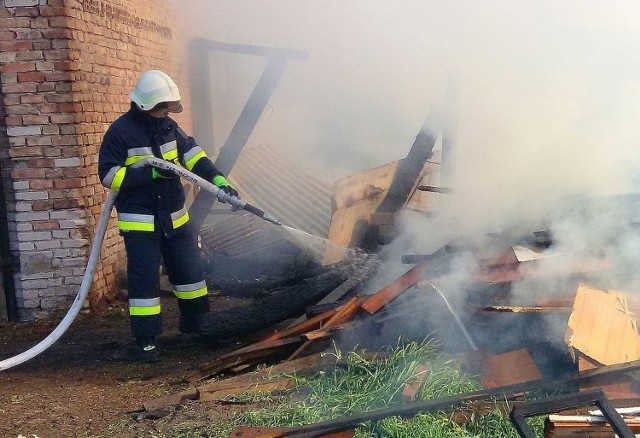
(577, 337)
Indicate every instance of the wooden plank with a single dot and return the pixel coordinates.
(300, 367)
(509, 368)
(388, 293)
(264, 386)
(238, 357)
(345, 313)
(171, 400)
(410, 390)
(302, 327)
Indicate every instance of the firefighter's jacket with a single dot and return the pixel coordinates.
(154, 207)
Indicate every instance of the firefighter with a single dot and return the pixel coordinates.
(152, 217)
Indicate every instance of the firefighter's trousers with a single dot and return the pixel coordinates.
(181, 258)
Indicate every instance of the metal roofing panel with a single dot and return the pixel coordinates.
(266, 179)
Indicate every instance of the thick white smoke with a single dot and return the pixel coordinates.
(548, 102)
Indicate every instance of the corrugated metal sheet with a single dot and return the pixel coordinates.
(266, 179)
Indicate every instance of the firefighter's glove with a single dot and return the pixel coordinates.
(224, 186)
(157, 172)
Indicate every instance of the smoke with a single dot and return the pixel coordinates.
(547, 105)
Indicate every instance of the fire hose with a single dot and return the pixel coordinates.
(94, 255)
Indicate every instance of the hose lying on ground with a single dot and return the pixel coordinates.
(94, 256)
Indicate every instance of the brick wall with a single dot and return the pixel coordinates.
(66, 68)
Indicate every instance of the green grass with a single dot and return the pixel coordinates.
(365, 385)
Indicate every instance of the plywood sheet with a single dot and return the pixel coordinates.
(603, 326)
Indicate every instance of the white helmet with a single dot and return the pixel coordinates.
(154, 87)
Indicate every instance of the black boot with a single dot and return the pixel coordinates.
(147, 350)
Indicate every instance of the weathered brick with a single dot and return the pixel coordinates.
(15, 45)
(21, 110)
(62, 118)
(25, 152)
(45, 225)
(35, 120)
(39, 140)
(28, 34)
(27, 173)
(25, 12)
(7, 35)
(51, 129)
(44, 66)
(32, 98)
(17, 67)
(30, 55)
(24, 87)
(12, 23)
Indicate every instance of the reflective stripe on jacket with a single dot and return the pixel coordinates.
(146, 205)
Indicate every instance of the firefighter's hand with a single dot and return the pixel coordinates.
(157, 172)
(224, 186)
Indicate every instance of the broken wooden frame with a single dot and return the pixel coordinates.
(201, 102)
(569, 401)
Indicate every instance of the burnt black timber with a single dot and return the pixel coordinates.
(264, 312)
(446, 403)
(409, 168)
(568, 401)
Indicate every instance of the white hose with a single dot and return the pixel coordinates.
(94, 256)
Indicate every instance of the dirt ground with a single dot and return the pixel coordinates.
(86, 385)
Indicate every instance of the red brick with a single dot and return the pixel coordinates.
(44, 66)
(39, 141)
(62, 118)
(41, 162)
(28, 34)
(42, 45)
(15, 45)
(64, 140)
(26, 12)
(24, 152)
(8, 23)
(13, 120)
(27, 173)
(51, 129)
(32, 98)
(59, 22)
(49, 11)
(18, 67)
(31, 77)
(30, 55)
(40, 23)
(57, 33)
(68, 183)
(41, 205)
(58, 76)
(35, 120)
(48, 108)
(7, 35)
(45, 225)
(56, 54)
(40, 184)
(70, 107)
(25, 87)
(65, 65)
(45, 86)
(67, 203)
(21, 109)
